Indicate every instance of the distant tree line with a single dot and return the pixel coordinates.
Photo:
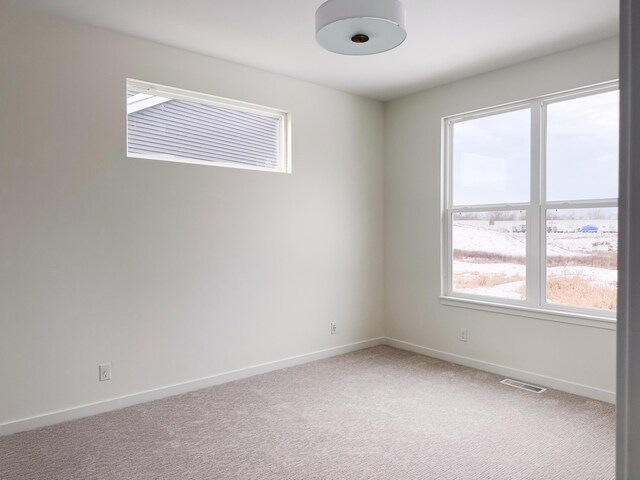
(557, 214)
(492, 217)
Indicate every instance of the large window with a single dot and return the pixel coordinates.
(531, 212)
(165, 123)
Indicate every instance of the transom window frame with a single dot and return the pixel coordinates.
(535, 305)
(283, 117)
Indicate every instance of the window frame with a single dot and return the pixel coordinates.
(535, 303)
(283, 117)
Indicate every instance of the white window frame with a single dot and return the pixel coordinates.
(283, 117)
(535, 304)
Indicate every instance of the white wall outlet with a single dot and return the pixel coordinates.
(104, 370)
(463, 335)
(334, 328)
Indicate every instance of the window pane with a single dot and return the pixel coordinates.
(489, 253)
(173, 129)
(491, 159)
(582, 249)
(582, 148)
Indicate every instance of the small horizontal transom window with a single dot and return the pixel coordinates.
(165, 123)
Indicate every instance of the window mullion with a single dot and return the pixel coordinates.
(565, 204)
(506, 207)
(535, 254)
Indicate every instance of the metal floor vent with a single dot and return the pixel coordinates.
(523, 386)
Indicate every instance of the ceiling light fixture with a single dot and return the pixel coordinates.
(360, 27)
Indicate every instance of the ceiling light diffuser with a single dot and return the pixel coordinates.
(360, 27)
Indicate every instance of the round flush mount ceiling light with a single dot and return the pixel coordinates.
(360, 27)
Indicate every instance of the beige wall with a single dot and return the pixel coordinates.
(570, 353)
(171, 271)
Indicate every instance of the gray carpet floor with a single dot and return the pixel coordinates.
(379, 413)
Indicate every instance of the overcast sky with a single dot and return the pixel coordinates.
(491, 160)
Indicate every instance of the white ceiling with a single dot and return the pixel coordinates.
(447, 39)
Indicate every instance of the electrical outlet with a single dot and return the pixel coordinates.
(104, 370)
(463, 335)
(334, 328)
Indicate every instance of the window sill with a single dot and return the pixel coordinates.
(586, 320)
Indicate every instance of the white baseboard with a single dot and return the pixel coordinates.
(170, 390)
(529, 377)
